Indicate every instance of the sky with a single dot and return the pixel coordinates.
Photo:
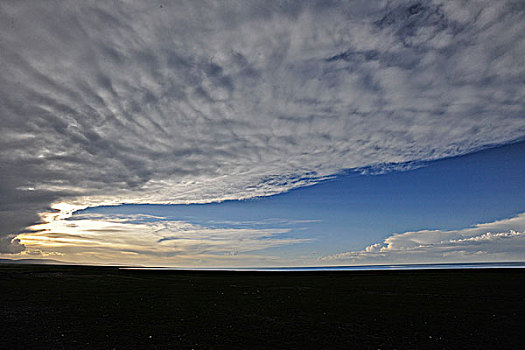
(250, 133)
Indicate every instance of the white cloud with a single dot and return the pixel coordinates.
(151, 240)
(502, 240)
(103, 103)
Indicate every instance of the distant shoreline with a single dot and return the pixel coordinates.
(382, 267)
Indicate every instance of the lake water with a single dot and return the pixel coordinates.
(497, 265)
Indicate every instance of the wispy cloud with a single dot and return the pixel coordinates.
(502, 240)
(111, 102)
(147, 240)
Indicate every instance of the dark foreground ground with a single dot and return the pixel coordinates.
(61, 307)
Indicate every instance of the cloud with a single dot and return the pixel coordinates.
(152, 240)
(105, 103)
(502, 240)
(10, 245)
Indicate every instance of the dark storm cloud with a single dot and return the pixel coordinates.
(202, 101)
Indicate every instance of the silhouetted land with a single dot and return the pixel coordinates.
(71, 307)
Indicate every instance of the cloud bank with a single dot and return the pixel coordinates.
(502, 240)
(192, 102)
